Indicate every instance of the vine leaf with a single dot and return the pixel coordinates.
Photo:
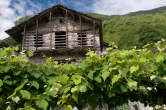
(116, 78)
(30, 53)
(16, 99)
(83, 88)
(90, 75)
(36, 74)
(123, 71)
(25, 94)
(74, 89)
(1, 83)
(43, 104)
(76, 79)
(153, 77)
(98, 79)
(35, 84)
(68, 107)
(105, 74)
(159, 58)
(75, 96)
(134, 69)
(64, 79)
(132, 84)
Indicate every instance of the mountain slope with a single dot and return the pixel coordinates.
(135, 29)
(100, 16)
(156, 10)
(130, 31)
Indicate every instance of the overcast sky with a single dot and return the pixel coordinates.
(11, 10)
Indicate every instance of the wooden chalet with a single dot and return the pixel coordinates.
(59, 30)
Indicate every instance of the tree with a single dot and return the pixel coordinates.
(21, 20)
(10, 41)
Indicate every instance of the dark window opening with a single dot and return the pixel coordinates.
(38, 41)
(60, 40)
(61, 21)
(82, 39)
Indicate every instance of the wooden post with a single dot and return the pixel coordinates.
(50, 19)
(37, 25)
(23, 38)
(101, 36)
(100, 106)
(81, 29)
(66, 29)
(94, 33)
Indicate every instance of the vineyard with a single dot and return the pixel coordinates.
(113, 79)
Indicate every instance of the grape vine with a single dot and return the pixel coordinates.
(114, 79)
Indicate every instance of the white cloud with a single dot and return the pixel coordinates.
(5, 13)
(10, 12)
(114, 7)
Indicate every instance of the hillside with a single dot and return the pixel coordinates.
(129, 31)
(100, 16)
(135, 29)
(156, 10)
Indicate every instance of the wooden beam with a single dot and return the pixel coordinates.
(74, 31)
(66, 17)
(37, 26)
(23, 39)
(101, 36)
(43, 46)
(81, 29)
(50, 19)
(94, 33)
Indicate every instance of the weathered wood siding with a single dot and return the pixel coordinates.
(44, 33)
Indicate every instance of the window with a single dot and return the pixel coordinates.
(61, 21)
(60, 40)
(82, 39)
(38, 41)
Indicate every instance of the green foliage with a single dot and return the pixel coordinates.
(99, 16)
(1, 83)
(129, 31)
(43, 104)
(137, 75)
(10, 41)
(134, 29)
(21, 20)
(25, 94)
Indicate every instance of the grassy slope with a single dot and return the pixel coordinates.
(135, 29)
